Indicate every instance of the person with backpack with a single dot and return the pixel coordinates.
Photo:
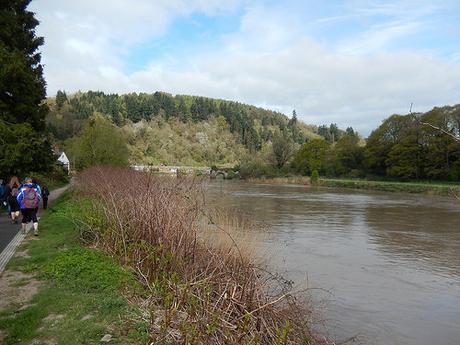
(45, 195)
(12, 192)
(2, 194)
(29, 198)
(39, 189)
(35, 182)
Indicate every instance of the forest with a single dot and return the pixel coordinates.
(160, 128)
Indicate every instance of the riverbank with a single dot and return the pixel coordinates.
(301, 180)
(430, 188)
(142, 263)
(435, 188)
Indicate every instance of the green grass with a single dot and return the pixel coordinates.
(436, 188)
(80, 298)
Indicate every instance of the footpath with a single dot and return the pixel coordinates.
(10, 234)
(55, 290)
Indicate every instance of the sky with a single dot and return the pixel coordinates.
(350, 62)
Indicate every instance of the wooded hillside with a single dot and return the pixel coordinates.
(161, 128)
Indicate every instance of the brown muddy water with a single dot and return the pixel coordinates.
(386, 265)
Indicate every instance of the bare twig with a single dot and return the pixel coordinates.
(453, 136)
(153, 224)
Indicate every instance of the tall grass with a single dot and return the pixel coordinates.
(204, 286)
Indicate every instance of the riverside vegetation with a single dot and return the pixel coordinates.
(153, 129)
(202, 285)
(145, 256)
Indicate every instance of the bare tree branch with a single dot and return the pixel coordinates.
(432, 126)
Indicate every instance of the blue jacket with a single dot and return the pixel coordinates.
(22, 193)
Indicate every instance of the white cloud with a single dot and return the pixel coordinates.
(378, 37)
(268, 61)
(323, 86)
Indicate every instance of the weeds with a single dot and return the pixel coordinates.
(202, 290)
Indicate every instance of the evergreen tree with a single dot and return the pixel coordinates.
(293, 120)
(22, 90)
(323, 131)
(351, 132)
(335, 132)
(61, 98)
(36, 157)
(22, 87)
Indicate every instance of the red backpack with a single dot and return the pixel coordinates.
(31, 198)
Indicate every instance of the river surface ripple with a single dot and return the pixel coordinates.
(390, 262)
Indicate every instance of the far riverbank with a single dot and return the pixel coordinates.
(431, 188)
(419, 187)
(425, 187)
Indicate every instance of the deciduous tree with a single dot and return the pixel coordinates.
(283, 148)
(311, 156)
(100, 142)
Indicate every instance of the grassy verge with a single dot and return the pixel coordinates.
(83, 293)
(445, 189)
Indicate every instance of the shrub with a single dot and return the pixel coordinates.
(230, 175)
(209, 290)
(257, 169)
(314, 178)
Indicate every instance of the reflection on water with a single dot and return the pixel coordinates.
(390, 261)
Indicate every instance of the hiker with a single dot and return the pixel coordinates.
(36, 184)
(29, 198)
(2, 194)
(45, 195)
(12, 190)
(39, 190)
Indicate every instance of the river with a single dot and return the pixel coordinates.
(385, 266)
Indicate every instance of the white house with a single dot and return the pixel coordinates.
(64, 160)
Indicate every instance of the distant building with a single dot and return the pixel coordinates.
(64, 160)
